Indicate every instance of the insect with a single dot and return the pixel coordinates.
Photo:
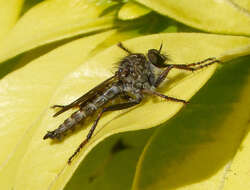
(138, 75)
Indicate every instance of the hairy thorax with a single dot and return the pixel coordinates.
(135, 73)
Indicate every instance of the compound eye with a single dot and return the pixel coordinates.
(156, 58)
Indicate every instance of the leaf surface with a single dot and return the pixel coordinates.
(9, 12)
(195, 149)
(238, 176)
(49, 158)
(111, 164)
(25, 93)
(239, 173)
(213, 16)
(54, 20)
(132, 10)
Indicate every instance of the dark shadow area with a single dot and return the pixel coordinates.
(117, 147)
(105, 169)
(9, 66)
(28, 4)
(22, 59)
(120, 145)
(152, 23)
(203, 137)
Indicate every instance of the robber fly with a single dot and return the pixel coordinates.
(135, 78)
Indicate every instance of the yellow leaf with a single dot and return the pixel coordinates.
(243, 5)
(9, 12)
(111, 164)
(25, 94)
(132, 10)
(54, 20)
(49, 158)
(213, 16)
(239, 173)
(194, 150)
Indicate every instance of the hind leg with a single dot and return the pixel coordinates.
(92, 129)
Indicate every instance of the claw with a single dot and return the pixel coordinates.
(57, 106)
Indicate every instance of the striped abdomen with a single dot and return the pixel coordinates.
(87, 110)
(69, 123)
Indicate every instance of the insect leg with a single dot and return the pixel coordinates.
(207, 64)
(200, 62)
(164, 96)
(91, 131)
(63, 108)
(162, 76)
(120, 45)
(189, 68)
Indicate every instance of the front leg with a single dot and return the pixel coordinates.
(189, 67)
(162, 76)
(196, 66)
(92, 129)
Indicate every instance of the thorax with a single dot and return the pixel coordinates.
(135, 73)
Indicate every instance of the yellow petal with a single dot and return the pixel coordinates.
(9, 12)
(53, 20)
(50, 159)
(132, 10)
(214, 16)
(25, 94)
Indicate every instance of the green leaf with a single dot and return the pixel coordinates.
(54, 20)
(49, 159)
(213, 16)
(194, 150)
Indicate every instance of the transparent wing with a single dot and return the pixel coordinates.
(86, 97)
